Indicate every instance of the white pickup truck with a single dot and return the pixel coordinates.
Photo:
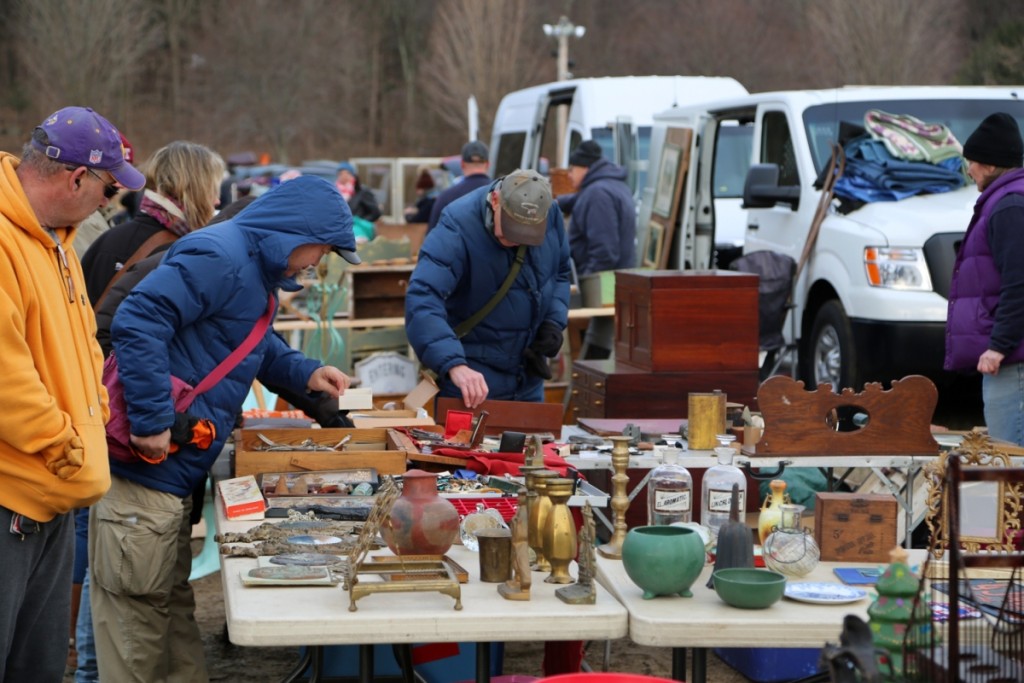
(870, 303)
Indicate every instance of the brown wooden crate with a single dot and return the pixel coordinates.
(377, 448)
(855, 527)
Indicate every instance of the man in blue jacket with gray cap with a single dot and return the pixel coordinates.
(182, 320)
(489, 298)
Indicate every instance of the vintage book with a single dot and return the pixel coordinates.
(241, 498)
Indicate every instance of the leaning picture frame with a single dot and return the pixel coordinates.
(668, 170)
(654, 245)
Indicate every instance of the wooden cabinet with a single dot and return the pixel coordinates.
(686, 321)
(377, 291)
(604, 388)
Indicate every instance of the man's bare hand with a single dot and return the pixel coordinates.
(329, 380)
(989, 362)
(155, 446)
(472, 383)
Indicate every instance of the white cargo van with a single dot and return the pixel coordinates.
(870, 304)
(616, 112)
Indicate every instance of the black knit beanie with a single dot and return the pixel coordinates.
(996, 142)
(585, 154)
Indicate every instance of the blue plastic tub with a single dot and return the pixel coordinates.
(435, 662)
(771, 664)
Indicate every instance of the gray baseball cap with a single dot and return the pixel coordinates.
(474, 152)
(525, 200)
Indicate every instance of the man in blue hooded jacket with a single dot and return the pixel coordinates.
(463, 263)
(183, 319)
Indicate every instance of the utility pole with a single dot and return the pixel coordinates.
(562, 31)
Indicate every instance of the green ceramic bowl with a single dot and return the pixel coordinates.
(749, 588)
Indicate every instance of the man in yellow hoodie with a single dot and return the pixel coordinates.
(53, 448)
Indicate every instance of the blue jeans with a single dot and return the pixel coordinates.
(85, 643)
(1003, 395)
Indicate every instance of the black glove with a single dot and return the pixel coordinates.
(536, 364)
(548, 341)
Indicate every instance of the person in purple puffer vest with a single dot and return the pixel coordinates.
(985, 321)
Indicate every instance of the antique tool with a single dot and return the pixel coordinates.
(478, 430)
(305, 445)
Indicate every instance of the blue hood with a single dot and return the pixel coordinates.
(306, 210)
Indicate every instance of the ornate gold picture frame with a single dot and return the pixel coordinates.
(997, 504)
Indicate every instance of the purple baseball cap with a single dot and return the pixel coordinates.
(78, 136)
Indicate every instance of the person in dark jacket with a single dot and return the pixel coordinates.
(602, 231)
(361, 200)
(462, 265)
(182, 320)
(985, 319)
(426, 195)
(474, 176)
(183, 180)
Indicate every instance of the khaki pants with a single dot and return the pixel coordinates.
(143, 609)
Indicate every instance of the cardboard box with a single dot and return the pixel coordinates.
(378, 448)
(410, 415)
(241, 498)
(356, 398)
(855, 527)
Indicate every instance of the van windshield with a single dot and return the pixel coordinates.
(840, 120)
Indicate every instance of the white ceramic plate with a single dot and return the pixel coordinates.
(823, 593)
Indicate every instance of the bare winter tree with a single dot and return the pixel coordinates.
(280, 78)
(484, 48)
(888, 42)
(84, 53)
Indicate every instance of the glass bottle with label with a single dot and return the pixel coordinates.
(716, 489)
(670, 491)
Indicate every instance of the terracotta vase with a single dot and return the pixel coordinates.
(422, 522)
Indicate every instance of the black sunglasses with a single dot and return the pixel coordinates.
(109, 189)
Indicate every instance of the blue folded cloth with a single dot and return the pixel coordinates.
(872, 174)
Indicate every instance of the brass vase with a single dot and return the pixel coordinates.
(538, 506)
(559, 531)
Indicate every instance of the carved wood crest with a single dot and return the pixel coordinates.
(801, 422)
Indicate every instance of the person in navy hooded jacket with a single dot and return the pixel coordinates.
(183, 319)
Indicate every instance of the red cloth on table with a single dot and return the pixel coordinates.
(484, 462)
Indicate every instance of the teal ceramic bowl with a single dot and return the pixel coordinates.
(749, 588)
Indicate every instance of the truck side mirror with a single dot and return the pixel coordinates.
(761, 190)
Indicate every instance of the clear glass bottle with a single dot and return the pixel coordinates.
(716, 489)
(670, 491)
(791, 549)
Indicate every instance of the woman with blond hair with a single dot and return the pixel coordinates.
(182, 192)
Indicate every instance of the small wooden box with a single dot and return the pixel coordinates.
(855, 527)
(377, 291)
(380, 449)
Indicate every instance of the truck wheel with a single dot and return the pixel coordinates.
(830, 356)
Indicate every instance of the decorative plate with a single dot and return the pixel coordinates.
(307, 559)
(823, 593)
(314, 539)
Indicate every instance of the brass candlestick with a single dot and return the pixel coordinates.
(620, 498)
(559, 531)
(538, 515)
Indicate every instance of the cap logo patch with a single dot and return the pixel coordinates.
(95, 156)
(529, 209)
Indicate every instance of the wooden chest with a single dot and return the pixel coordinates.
(381, 449)
(604, 388)
(686, 320)
(855, 527)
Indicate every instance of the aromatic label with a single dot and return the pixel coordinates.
(721, 500)
(671, 501)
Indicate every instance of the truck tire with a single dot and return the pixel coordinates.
(830, 355)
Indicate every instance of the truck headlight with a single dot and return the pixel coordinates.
(897, 268)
